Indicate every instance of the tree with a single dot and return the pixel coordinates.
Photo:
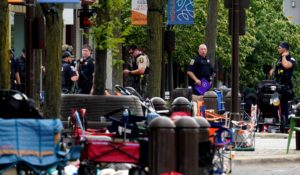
(154, 40)
(211, 30)
(106, 37)
(54, 25)
(4, 46)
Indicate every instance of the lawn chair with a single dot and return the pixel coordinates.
(33, 145)
(293, 128)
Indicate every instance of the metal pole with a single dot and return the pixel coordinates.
(235, 61)
(170, 69)
(30, 61)
(85, 30)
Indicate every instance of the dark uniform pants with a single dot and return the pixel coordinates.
(140, 85)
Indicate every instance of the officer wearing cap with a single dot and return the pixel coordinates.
(200, 68)
(283, 74)
(140, 70)
(68, 73)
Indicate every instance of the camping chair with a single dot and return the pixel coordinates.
(292, 129)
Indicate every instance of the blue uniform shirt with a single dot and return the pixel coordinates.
(282, 75)
(201, 67)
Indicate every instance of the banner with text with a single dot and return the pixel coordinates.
(15, 1)
(139, 12)
(58, 1)
(180, 12)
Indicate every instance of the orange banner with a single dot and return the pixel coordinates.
(15, 1)
(139, 12)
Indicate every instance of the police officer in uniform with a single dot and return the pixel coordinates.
(21, 63)
(283, 73)
(68, 73)
(86, 70)
(200, 68)
(14, 72)
(140, 70)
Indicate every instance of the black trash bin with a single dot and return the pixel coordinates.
(206, 153)
(211, 100)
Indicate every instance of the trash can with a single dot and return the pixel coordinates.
(181, 104)
(182, 92)
(228, 101)
(187, 132)
(162, 146)
(211, 101)
(159, 103)
(205, 154)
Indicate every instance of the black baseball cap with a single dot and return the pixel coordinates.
(67, 54)
(284, 45)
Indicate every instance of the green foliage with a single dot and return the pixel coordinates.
(188, 37)
(266, 27)
(108, 24)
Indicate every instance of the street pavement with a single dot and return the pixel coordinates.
(269, 148)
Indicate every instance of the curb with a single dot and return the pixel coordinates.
(272, 135)
(266, 159)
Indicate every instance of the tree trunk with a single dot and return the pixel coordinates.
(117, 73)
(211, 32)
(4, 46)
(101, 50)
(155, 11)
(100, 71)
(54, 25)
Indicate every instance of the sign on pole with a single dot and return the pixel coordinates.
(180, 12)
(139, 12)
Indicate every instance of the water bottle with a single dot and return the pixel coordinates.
(125, 115)
(125, 120)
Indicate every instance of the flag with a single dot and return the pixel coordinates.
(180, 12)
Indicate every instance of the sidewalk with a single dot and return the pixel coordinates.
(269, 148)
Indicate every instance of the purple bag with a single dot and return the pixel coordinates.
(201, 89)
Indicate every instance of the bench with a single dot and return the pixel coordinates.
(97, 106)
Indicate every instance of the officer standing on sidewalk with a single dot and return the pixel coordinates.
(140, 70)
(69, 74)
(86, 70)
(200, 68)
(283, 73)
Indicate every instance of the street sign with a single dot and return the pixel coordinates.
(58, 1)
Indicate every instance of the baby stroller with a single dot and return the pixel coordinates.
(101, 150)
(269, 113)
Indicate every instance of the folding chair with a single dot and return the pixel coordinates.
(293, 128)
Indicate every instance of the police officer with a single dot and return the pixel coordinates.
(86, 70)
(14, 72)
(21, 63)
(68, 73)
(140, 70)
(200, 68)
(283, 73)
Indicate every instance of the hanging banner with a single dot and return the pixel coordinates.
(15, 1)
(180, 12)
(58, 1)
(139, 10)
